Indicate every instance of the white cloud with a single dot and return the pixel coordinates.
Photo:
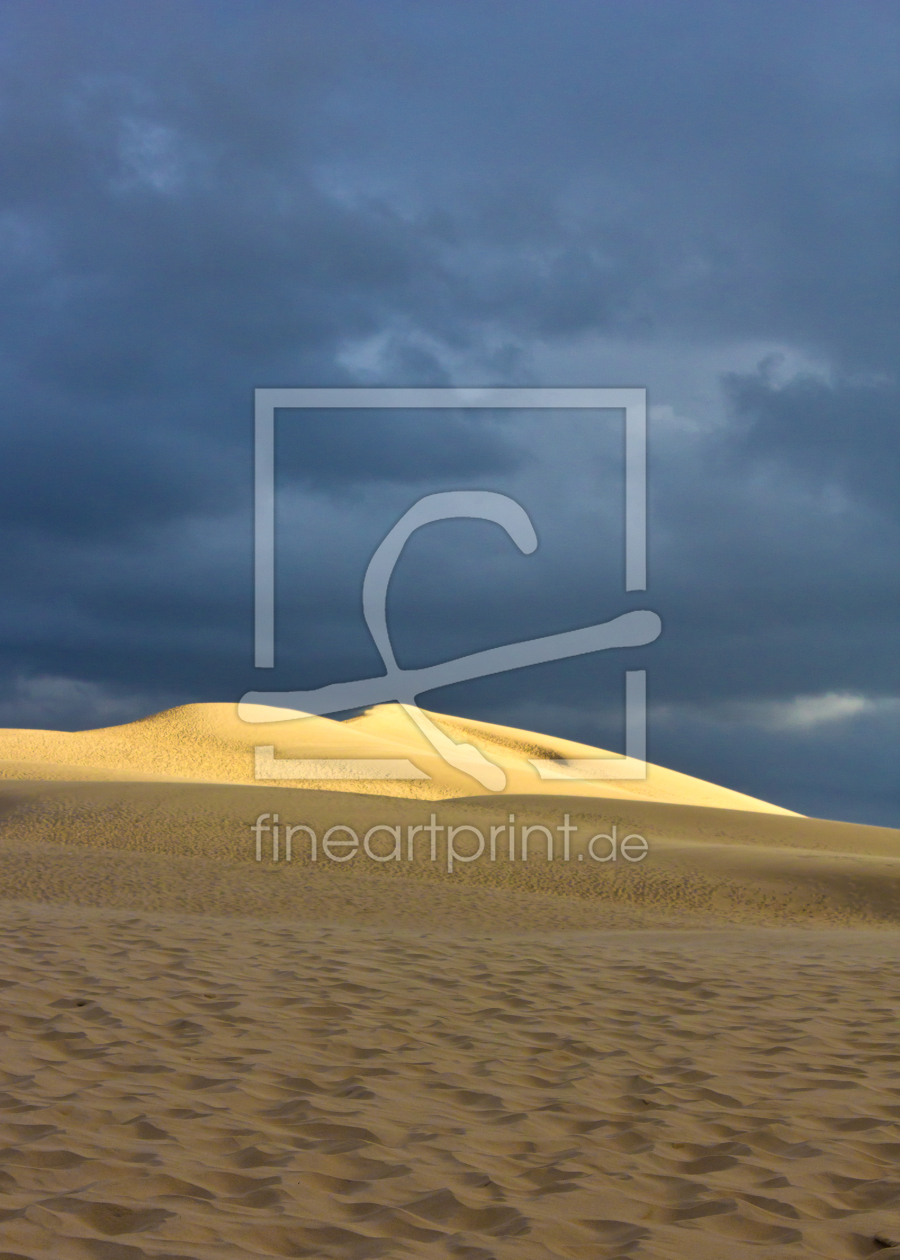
(150, 154)
(800, 713)
(804, 712)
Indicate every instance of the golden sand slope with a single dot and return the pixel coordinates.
(202, 1089)
(210, 743)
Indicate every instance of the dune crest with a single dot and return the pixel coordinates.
(209, 743)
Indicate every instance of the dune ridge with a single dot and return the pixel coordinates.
(210, 743)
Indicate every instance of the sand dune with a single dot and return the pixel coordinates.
(210, 743)
(205, 1056)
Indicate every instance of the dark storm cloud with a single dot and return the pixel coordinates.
(199, 200)
(327, 450)
(728, 168)
(167, 250)
(844, 435)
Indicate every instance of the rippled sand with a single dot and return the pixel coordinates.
(195, 1087)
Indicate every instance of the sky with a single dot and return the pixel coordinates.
(201, 199)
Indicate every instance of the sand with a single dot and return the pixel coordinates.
(209, 743)
(204, 1056)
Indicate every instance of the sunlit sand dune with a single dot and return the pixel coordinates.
(210, 1054)
(210, 743)
(514, 750)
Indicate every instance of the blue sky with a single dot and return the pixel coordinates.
(200, 199)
